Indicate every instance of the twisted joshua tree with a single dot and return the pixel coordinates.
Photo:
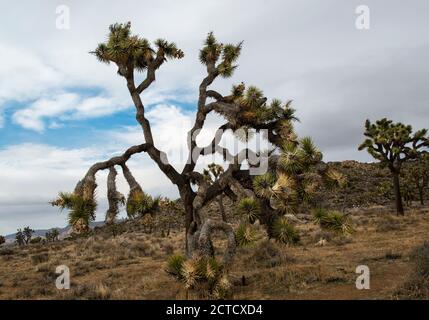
(243, 108)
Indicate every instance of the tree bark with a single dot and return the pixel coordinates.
(222, 208)
(421, 195)
(114, 197)
(398, 197)
(205, 243)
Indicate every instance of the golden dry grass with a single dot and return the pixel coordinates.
(131, 265)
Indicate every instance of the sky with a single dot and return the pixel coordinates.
(61, 110)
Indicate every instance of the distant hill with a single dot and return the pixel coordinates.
(41, 232)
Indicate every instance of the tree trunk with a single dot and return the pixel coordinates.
(187, 197)
(222, 208)
(112, 196)
(267, 217)
(398, 197)
(205, 243)
(421, 195)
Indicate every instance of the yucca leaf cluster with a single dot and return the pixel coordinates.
(81, 210)
(246, 235)
(131, 52)
(284, 232)
(202, 274)
(249, 209)
(140, 203)
(333, 221)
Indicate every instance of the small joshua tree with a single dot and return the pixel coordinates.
(28, 234)
(419, 175)
(211, 175)
(20, 238)
(393, 144)
(52, 236)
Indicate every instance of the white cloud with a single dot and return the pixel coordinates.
(65, 106)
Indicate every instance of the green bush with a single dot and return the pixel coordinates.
(333, 221)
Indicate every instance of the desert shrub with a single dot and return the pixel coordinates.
(267, 255)
(36, 240)
(388, 224)
(390, 255)
(6, 252)
(340, 241)
(39, 258)
(333, 221)
(168, 248)
(89, 292)
(417, 286)
(420, 258)
(140, 248)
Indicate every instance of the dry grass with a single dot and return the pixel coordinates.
(131, 265)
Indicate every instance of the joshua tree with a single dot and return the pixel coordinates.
(28, 233)
(393, 144)
(81, 205)
(20, 238)
(419, 175)
(55, 234)
(244, 108)
(52, 236)
(212, 174)
(2, 240)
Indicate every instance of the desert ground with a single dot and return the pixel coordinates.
(130, 264)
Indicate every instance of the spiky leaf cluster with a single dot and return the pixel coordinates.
(297, 180)
(131, 52)
(299, 157)
(245, 235)
(141, 203)
(200, 273)
(284, 232)
(263, 185)
(249, 209)
(335, 179)
(81, 210)
(219, 57)
(334, 221)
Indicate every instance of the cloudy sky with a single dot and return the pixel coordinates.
(61, 110)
